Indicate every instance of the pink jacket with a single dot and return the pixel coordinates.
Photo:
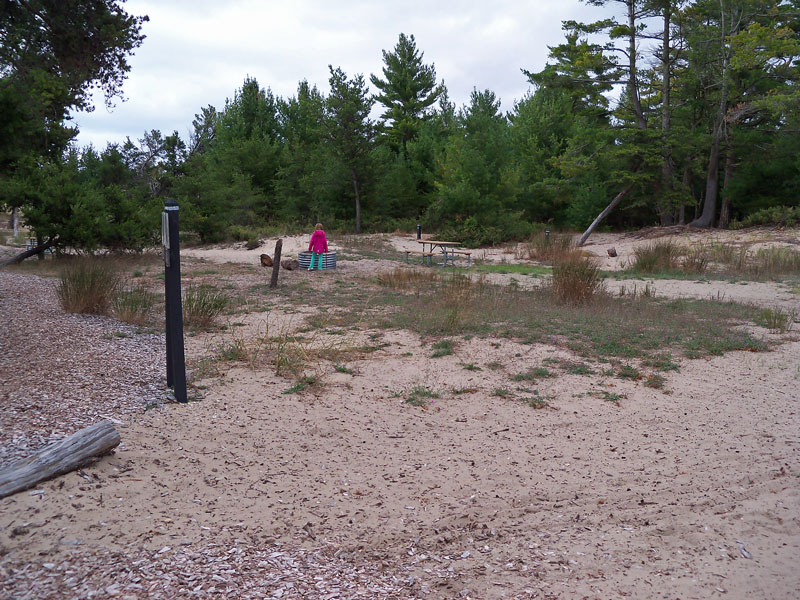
(318, 243)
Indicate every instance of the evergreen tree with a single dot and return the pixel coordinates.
(349, 128)
(407, 91)
(52, 54)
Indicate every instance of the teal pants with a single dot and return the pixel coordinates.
(318, 257)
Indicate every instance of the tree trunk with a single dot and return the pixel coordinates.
(706, 218)
(276, 264)
(665, 208)
(605, 212)
(687, 187)
(725, 209)
(13, 222)
(28, 253)
(633, 87)
(59, 457)
(358, 200)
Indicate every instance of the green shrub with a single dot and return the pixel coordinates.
(133, 305)
(787, 216)
(88, 286)
(203, 304)
(576, 280)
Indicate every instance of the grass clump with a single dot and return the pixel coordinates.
(657, 257)
(470, 367)
(420, 396)
(442, 348)
(202, 304)
(533, 374)
(88, 286)
(776, 320)
(628, 372)
(536, 402)
(133, 305)
(402, 278)
(576, 280)
(502, 393)
(553, 247)
(696, 260)
(654, 381)
(662, 361)
(304, 383)
(580, 369)
(775, 262)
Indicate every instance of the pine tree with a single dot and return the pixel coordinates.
(407, 90)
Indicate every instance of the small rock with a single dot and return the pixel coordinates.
(612, 252)
(290, 264)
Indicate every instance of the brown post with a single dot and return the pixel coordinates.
(276, 264)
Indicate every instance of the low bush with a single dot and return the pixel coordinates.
(787, 216)
(88, 286)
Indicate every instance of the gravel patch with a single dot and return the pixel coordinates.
(61, 372)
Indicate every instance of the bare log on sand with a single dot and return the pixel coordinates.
(59, 457)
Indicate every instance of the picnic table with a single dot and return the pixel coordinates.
(448, 250)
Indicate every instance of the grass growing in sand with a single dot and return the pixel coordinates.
(607, 327)
(668, 260)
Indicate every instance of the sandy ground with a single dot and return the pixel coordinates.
(687, 492)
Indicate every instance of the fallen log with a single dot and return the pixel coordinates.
(59, 457)
(14, 260)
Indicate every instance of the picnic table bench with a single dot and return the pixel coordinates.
(427, 257)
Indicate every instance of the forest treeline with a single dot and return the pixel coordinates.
(678, 112)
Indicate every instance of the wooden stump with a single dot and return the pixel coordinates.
(276, 265)
(59, 457)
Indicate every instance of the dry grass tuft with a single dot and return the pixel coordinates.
(133, 304)
(88, 286)
(403, 278)
(656, 257)
(546, 248)
(576, 280)
(202, 304)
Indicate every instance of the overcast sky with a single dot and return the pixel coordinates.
(198, 52)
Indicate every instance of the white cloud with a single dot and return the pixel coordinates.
(198, 52)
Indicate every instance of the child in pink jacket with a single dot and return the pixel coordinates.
(317, 245)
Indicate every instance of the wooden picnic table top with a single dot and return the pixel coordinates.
(439, 243)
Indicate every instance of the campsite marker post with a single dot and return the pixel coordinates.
(176, 363)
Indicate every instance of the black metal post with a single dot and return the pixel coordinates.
(176, 363)
(419, 231)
